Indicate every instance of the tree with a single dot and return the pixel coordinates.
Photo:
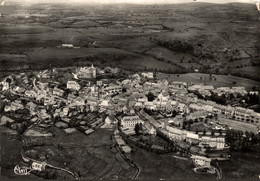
(184, 124)
(137, 129)
(150, 96)
(204, 131)
(124, 89)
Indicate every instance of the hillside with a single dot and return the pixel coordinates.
(213, 38)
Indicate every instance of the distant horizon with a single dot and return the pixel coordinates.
(144, 2)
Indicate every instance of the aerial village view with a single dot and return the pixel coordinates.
(141, 108)
(130, 117)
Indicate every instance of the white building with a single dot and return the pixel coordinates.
(177, 85)
(30, 93)
(87, 72)
(148, 75)
(130, 121)
(38, 166)
(67, 46)
(73, 85)
(110, 90)
(58, 92)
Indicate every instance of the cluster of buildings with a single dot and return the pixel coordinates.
(207, 90)
(50, 100)
(215, 141)
(86, 72)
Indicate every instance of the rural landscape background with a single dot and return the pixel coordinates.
(198, 43)
(176, 38)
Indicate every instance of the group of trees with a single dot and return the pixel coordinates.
(138, 128)
(19, 127)
(150, 96)
(243, 141)
(252, 99)
(176, 45)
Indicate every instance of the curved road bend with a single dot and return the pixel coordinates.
(75, 175)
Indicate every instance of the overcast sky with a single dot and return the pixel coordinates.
(140, 1)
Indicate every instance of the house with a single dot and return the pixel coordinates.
(99, 83)
(87, 132)
(49, 101)
(201, 161)
(112, 89)
(130, 121)
(16, 105)
(30, 93)
(18, 89)
(201, 107)
(73, 85)
(70, 130)
(38, 166)
(110, 120)
(148, 75)
(220, 143)
(213, 142)
(136, 76)
(126, 149)
(78, 101)
(111, 70)
(177, 85)
(87, 72)
(240, 90)
(126, 81)
(240, 113)
(200, 87)
(174, 133)
(104, 103)
(6, 85)
(205, 140)
(57, 91)
(192, 137)
(253, 92)
(67, 46)
(5, 119)
(119, 141)
(149, 128)
(31, 106)
(71, 97)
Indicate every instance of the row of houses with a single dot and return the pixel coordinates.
(238, 113)
(217, 142)
(219, 90)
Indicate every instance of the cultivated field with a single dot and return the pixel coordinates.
(92, 156)
(124, 34)
(155, 167)
(221, 80)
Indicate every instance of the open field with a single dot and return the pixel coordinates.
(221, 80)
(217, 34)
(238, 125)
(241, 166)
(155, 167)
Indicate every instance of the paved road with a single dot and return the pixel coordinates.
(135, 166)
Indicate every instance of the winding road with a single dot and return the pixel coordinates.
(135, 166)
(26, 158)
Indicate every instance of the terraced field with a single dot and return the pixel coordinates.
(90, 156)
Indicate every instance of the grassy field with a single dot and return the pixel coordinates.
(238, 125)
(241, 166)
(155, 167)
(222, 80)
